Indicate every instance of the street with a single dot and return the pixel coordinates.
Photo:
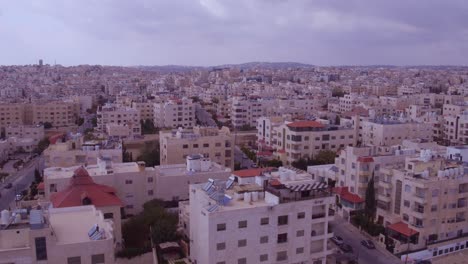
(204, 117)
(352, 236)
(20, 180)
(239, 157)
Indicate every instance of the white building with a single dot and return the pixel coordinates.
(174, 113)
(260, 217)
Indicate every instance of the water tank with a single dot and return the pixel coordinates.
(440, 173)
(193, 164)
(247, 197)
(452, 172)
(261, 195)
(292, 176)
(4, 217)
(205, 164)
(284, 175)
(254, 196)
(96, 147)
(17, 218)
(238, 196)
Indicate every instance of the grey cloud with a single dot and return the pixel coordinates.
(209, 32)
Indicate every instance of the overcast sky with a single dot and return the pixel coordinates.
(211, 32)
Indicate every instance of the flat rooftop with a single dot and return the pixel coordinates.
(179, 169)
(93, 170)
(72, 224)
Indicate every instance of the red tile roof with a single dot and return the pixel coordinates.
(359, 111)
(82, 186)
(53, 139)
(275, 182)
(365, 159)
(305, 123)
(344, 193)
(403, 228)
(250, 172)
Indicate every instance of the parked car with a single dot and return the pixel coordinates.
(337, 240)
(346, 248)
(368, 244)
(8, 186)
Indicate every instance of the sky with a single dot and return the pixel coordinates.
(216, 32)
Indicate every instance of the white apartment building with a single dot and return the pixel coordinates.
(174, 113)
(64, 235)
(305, 139)
(36, 133)
(119, 115)
(75, 152)
(423, 201)
(260, 217)
(134, 184)
(246, 111)
(266, 132)
(389, 131)
(456, 129)
(146, 109)
(216, 144)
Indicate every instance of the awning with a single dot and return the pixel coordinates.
(403, 229)
(307, 187)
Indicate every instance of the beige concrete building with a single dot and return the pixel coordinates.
(174, 113)
(63, 235)
(423, 201)
(57, 113)
(305, 139)
(146, 109)
(119, 115)
(11, 114)
(259, 216)
(36, 133)
(246, 111)
(76, 152)
(456, 129)
(216, 144)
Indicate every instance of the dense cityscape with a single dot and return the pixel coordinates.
(233, 132)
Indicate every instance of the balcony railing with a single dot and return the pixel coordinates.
(316, 216)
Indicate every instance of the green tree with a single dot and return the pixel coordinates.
(337, 120)
(147, 127)
(37, 176)
(370, 206)
(47, 125)
(249, 153)
(325, 157)
(94, 121)
(42, 145)
(338, 92)
(150, 154)
(273, 163)
(79, 121)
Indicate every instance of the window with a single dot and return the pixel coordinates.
(242, 243)
(299, 250)
(41, 248)
(282, 220)
(185, 146)
(150, 192)
(221, 262)
(264, 257)
(301, 215)
(435, 192)
(221, 227)
(433, 207)
(150, 179)
(206, 145)
(300, 233)
(282, 238)
(242, 261)
(97, 259)
(217, 144)
(221, 246)
(406, 203)
(407, 188)
(108, 216)
(282, 255)
(195, 145)
(264, 221)
(128, 181)
(243, 224)
(74, 260)
(263, 239)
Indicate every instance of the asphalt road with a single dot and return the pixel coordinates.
(352, 236)
(20, 180)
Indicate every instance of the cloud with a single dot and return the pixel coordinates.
(210, 32)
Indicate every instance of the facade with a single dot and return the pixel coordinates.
(456, 129)
(57, 113)
(246, 111)
(423, 201)
(56, 236)
(174, 113)
(305, 139)
(216, 144)
(36, 133)
(268, 220)
(118, 115)
(11, 114)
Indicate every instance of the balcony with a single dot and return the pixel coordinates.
(460, 219)
(385, 184)
(320, 215)
(420, 198)
(385, 197)
(383, 205)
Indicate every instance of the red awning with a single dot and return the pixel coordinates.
(403, 229)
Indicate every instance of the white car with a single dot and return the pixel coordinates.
(337, 240)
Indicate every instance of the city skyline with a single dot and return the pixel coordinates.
(209, 33)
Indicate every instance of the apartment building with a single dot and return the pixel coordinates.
(245, 111)
(271, 217)
(57, 113)
(146, 109)
(76, 152)
(305, 139)
(216, 144)
(56, 235)
(134, 184)
(11, 114)
(175, 113)
(36, 133)
(266, 132)
(390, 131)
(423, 201)
(119, 115)
(455, 129)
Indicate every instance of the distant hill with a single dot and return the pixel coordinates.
(248, 65)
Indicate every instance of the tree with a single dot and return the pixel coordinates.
(126, 156)
(272, 163)
(42, 145)
(325, 157)
(80, 121)
(370, 205)
(150, 155)
(337, 120)
(37, 176)
(94, 121)
(147, 127)
(338, 92)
